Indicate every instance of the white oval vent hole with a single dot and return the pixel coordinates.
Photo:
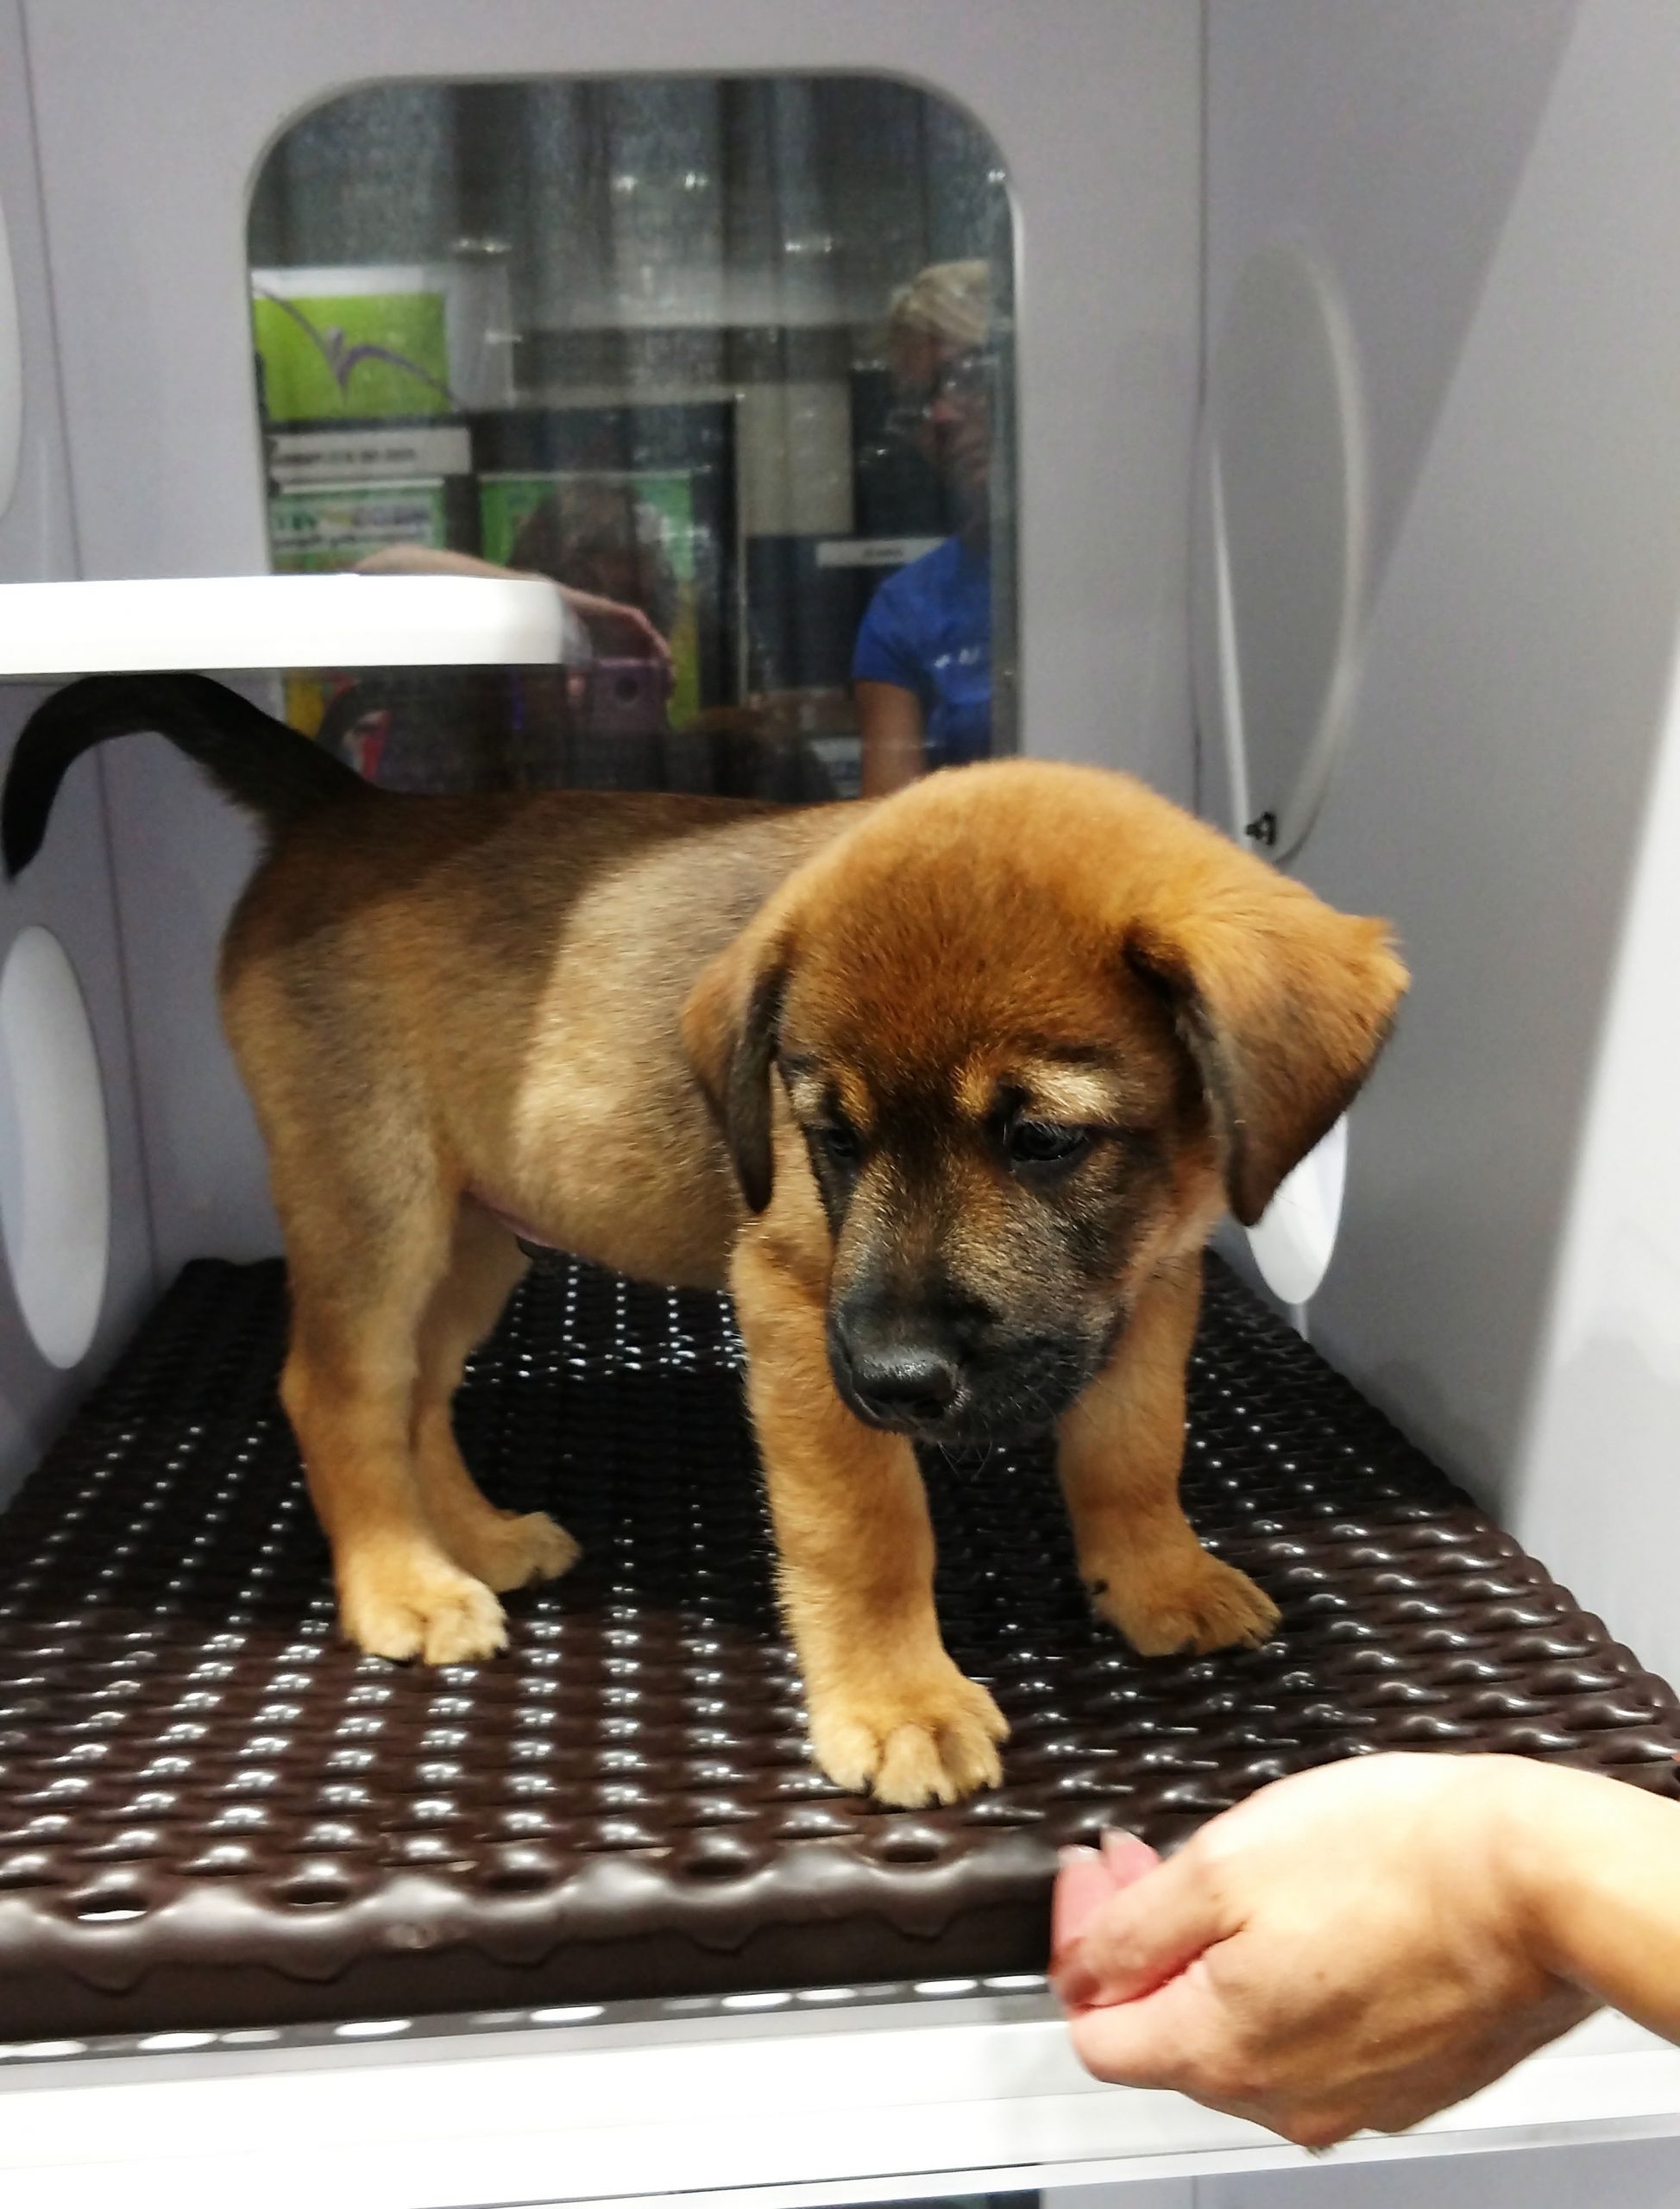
(54, 1157)
(1294, 1237)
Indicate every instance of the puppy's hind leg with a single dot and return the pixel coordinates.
(504, 1549)
(1119, 1450)
(363, 1264)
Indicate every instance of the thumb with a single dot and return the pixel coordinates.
(1143, 1935)
(1153, 2041)
(1087, 1877)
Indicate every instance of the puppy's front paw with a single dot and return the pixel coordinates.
(415, 1606)
(932, 1742)
(1193, 1602)
(507, 1549)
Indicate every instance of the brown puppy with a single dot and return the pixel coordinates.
(979, 1067)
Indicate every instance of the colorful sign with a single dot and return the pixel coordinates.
(328, 527)
(354, 354)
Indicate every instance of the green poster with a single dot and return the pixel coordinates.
(359, 355)
(325, 528)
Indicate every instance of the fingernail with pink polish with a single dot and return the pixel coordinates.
(1084, 1883)
(1126, 1855)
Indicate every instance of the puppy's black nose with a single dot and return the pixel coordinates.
(893, 1377)
(913, 1383)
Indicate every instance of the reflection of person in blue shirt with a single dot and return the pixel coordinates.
(921, 667)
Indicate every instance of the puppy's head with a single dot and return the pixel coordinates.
(1028, 1029)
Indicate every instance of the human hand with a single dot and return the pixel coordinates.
(618, 628)
(1349, 1947)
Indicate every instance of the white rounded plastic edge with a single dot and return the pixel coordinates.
(54, 1152)
(226, 623)
(1295, 1238)
(11, 375)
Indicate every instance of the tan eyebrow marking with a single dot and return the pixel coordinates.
(854, 1098)
(807, 1090)
(1052, 1089)
(817, 1093)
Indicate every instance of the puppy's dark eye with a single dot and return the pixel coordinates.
(837, 1142)
(1045, 1142)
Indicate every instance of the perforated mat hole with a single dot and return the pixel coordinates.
(109, 1913)
(373, 2029)
(42, 2051)
(766, 2001)
(717, 1854)
(910, 1844)
(173, 2043)
(827, 1994)
(319, 1887)
(575, 2013)
(521, 1872)
(33, 1870)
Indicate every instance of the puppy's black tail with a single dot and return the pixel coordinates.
(255, 760)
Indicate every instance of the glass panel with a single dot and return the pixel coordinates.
(728, 360)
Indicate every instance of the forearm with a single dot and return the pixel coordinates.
(432, 560)
(1598, 1863)
(890, 727)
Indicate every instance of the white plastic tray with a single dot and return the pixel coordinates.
(226, 623)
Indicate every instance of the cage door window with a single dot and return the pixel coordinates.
(729, 361)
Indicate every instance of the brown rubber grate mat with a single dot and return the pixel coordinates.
(212, 1814)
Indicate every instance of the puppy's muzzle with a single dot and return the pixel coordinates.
(897, 1371)
(953, 1377)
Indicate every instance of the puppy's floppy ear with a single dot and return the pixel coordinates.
(1283, 1003)
(729, 1027)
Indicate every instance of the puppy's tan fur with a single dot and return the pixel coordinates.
(450, 1013)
